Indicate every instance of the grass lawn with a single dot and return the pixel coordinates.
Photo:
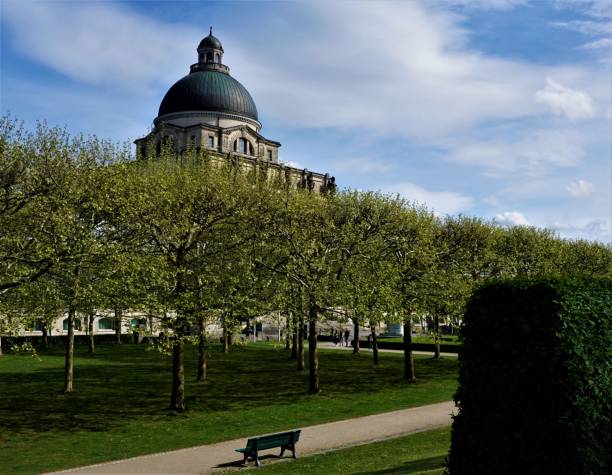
(417, 454)
(122, 393)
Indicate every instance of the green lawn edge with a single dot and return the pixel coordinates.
(423, 453)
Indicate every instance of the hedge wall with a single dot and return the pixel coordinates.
(536, 398)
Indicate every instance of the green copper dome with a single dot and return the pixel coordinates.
(208, 90)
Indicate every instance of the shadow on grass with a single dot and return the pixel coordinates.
(416, 466)
(125, 383)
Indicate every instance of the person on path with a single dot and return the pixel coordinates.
(347, 335)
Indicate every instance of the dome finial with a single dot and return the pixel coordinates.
(210, 33)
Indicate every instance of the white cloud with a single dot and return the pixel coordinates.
(580, 188)
(511, 218)
(362, 165)
(484, 4)
(595, 8)
(400, 69)
(564, 101)
(443, 202)
(534, 153)
(586, 27)
(597, 229)
(102, 43)
(600, 43)
(491, 200)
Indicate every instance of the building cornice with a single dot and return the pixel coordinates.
(210, 114)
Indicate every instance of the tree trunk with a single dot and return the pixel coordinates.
(436, 323)
(313, 360)
(225, 339)
(45, 336)
(294, 337)
(177, 401)
(68, 368)
(118, 324)
(287, 334)
(300, 356)
(92, 347)
(202, 353)
(0, 345)
(355, 335)
(408, 359)
(374, 344)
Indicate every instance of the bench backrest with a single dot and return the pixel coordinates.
(273, 440)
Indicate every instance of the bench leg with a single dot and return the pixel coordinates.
(293, 450)
(283, 447)
(257, 460)
(245, 459)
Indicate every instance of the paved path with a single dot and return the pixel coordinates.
(328, 345)
(314, 439)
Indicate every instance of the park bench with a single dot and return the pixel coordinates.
(284, 440)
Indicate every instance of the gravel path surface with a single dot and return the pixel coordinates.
(314, 439)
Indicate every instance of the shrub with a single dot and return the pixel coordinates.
(536, 398)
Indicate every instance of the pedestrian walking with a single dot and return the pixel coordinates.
(347, 335)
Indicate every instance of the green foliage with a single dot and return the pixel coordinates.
(536, 398)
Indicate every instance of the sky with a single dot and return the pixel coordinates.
(494, 108)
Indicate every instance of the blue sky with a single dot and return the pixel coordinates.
(495, 108)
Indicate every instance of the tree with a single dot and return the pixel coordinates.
(367, 275)
(411, 240)
(308, 228)
(188, 214)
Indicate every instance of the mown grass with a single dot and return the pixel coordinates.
(418, 454)
(122, 393)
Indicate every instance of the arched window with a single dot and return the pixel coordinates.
(77, 324)
(242, 145)
(106, 324)
(209, 57)
(217, 58)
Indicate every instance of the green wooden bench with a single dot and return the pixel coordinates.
(284, 440)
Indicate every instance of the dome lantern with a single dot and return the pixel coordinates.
(210, 50)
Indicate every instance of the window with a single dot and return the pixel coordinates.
(217, 58)
(106, 324)
(211, 141)
(269, 154)
(77, 324)
(137, 322)
(242, 145)
(36, 326)
(209, 57)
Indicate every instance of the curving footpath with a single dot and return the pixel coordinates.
(314, 439)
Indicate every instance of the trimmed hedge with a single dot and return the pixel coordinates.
(535, 399)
